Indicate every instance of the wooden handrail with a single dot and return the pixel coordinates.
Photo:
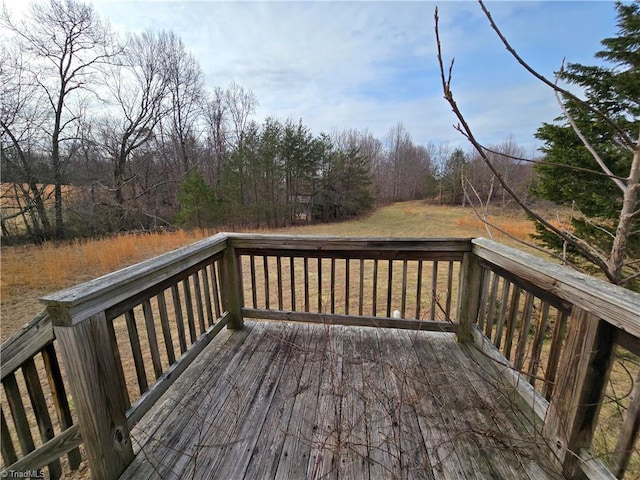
(80, 319)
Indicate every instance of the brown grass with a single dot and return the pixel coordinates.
(29, 272)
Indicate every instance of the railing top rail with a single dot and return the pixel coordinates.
(336, 243)
(25, 343)
(77, 303)
(613, 304)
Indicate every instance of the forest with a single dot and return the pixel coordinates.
(103, 134)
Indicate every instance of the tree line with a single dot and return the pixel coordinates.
(102, 134)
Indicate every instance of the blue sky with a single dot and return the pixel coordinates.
(370, 65)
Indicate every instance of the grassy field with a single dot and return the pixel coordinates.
(29, 272)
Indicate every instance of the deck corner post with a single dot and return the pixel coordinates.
(583, 374)
(232, 287)
(468, 296)
(90, 356)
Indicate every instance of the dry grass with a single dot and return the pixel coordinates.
(29, 272)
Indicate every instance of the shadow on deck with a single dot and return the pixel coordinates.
(290, 400)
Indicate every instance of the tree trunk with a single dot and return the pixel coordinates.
(630, 200)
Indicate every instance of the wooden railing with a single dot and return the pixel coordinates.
(556, 332)
(125, 338)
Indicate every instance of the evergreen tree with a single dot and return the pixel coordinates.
(613, 90)
(198, 201)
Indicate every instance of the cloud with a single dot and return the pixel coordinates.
(369, 65)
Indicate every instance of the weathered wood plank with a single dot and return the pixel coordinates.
(347, 286)
(188, 303)
(504, 304)
(584, 369)
(468, 296)
(166, 329)
(449, 291)
(434, 290)
(146, 401)
(177, 308)
(198, 300)
(231, 282)
(220, 439)
(39, 404)
(337, 319)
(171, 435)
(419, 290)
(332, 286)
(538, 341)
(616, 305)
(514, 306)
(374, 287)
(276, 442)
(292, 277)
(536, 402)
(361, 289)
(28, 341)
(451, 455)
(265, 263)
(18, 413)
(295, 452)
(309, 244)
(207, 296)
(74, 304)
(628, 433)
(216, 291)
(238, 454)
(279, 281)
(324, 442)
(523, 334)
(555, 351)
(472, 432)
(65, 442)
(403, 302)
(389, 286)
(399, 370)
(353, 456)
(59, 397)
(306, 284)
(507, 412)
(152, 337)
(134, 340)
(100, 399)
(6, 443)
(252, 273)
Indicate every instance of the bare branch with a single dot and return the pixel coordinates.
(621, 185)
(623, 135)
(589, 251)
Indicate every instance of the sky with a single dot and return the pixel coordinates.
(369, 65)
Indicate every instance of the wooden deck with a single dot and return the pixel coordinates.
(294, 400)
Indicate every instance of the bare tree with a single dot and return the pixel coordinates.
(241, 103)
(216, 120)
(614, 263)
(21, 123)
(138, 88)
(185, 90)
(66, 43)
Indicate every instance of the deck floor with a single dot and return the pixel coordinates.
(297, 401)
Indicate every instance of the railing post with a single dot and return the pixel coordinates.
(232, 287)
(582, 377)
(91, 361)
(468, 296)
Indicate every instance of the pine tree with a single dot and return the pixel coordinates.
(198, 201)
(613, 90)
